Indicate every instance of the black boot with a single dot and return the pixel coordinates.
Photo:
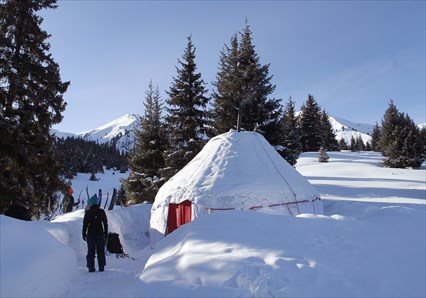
(91, 269)
(101, 269)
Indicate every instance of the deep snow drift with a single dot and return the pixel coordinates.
(370, 242)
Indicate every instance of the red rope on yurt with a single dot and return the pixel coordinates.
(269, 206)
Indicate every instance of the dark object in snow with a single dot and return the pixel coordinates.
(114, 246)
(18, 212)
(93, 177)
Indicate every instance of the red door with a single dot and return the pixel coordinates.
(179, 214)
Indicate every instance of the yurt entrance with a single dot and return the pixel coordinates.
(179, 214)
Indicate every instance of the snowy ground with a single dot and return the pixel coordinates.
(370, 242)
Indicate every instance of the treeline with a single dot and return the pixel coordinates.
(77, 155)
(171, 134)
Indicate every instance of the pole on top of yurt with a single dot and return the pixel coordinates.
(244, 102)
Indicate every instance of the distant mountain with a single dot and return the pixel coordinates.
(123, 130)
(61, 134)
(345, 129)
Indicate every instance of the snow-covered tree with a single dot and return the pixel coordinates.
(31, 101)
(146, 159)
(310, 125)
(290, 139)
(187, 116)
(322, 155)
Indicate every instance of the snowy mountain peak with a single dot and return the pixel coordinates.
(121, 129)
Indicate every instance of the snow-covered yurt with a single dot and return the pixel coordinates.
(234, 171)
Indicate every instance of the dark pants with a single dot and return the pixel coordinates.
(95, 243)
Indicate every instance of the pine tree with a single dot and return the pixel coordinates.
(31, 101)
(390, 122)
(400, 141)
(310, 125)
(322, 155)
(368, 146)
(226, 95)
(146, 159)
(242, 81)
(353, 144)
(187, 116)
(359, 144)
(423, 142)
(342, 144)
(291, 146)
(375, 138)
(328, 136)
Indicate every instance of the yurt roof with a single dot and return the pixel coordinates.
(236, 170)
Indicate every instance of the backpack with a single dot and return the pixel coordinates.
(113, 244)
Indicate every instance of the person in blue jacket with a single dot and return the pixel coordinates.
(95, 232)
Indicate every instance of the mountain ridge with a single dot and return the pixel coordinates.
(122, 130)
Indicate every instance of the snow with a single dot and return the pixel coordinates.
(370, 242)
(238, 170)
(28, 253)
(48, 259)
(107, 181)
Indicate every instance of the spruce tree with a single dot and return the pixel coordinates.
(359, 144)
(423, 142)
(31, 101)
(243, 81)
(187, 116)
(328, 136)
(226, 95)
(400, 141)
(146, 159)
(368, 146)
(342, 144)
(390, 122)
(310, 125)
(352, 146)
(375, 138)
(290, 140)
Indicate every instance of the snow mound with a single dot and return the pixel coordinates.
(35, 262)
(252, 254)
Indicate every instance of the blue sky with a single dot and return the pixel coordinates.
(352, 56)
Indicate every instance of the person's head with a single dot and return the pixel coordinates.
(70, 191)
(93, 200)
